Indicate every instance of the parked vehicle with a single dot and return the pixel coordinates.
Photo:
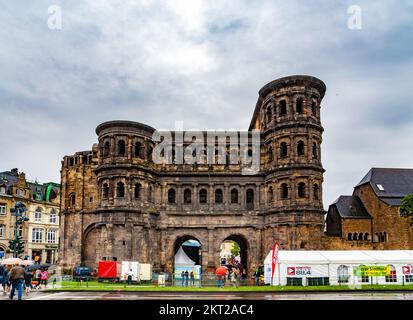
(109, 271)
(82, 273)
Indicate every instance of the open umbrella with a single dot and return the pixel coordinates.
(26, 263)
(221, 271)
(11, 261)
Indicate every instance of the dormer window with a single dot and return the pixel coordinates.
(2, 189)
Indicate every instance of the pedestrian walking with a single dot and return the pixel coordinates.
(37, 276)
(44, 276)
(192, 278)
(17, 276)
(130, 274)
(233, 278)
(186, 278)
(182, 278)
(28, 281)
(5, 279)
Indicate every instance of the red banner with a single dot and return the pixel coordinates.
(274, 259)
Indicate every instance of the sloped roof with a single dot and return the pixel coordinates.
(351, 207)
(395, 183)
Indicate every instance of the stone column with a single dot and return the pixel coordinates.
(211, 197)
(211, 248)
(226, 196)
(195, 197)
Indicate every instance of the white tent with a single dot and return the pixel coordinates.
(182, 259)
(337, 267)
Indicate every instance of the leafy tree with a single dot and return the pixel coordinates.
(406, 209)
(235, 251)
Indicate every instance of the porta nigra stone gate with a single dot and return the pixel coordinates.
(118, 204)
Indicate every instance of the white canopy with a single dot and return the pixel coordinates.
(182, 259)
(343, 256)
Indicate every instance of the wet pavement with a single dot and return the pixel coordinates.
(42, 295)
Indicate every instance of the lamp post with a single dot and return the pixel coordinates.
(19, 212)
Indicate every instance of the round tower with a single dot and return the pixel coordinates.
(291, 134)
(125, 174)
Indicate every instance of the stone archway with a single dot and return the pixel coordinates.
(180, 240)
(244, 248)
(89, 248)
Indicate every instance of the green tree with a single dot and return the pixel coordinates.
(406, 209)
(235, 251)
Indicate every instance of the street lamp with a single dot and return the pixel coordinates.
(17, 244)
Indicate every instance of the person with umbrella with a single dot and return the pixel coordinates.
(221, 272)
(17, 276)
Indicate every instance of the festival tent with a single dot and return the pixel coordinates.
(181, 259)
(351, 267)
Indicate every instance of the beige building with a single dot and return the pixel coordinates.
(40, 233)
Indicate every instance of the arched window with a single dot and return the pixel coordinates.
(300, 148)
(342, 274)
(218, 196)
(105, 191)
(139, 151)
(316, 191)
(121, 148)
(314, 108)
(350, 236)
(355, 236)
(363, 279)
(187, 196)
(171, 196)
(366, 237)
(203, 196)
(38, 215)
(315, 151)
(393, 275)
(301, 190)
(234, 196)
(250, 199)
(72, 200)
(299, 106)
(106, 149)
(270, 195)
(283, 150)
(270, 154)
(137, 190)
(283, 108)
(360, 236)
(120, 190)
(269, 113)
(284, 191)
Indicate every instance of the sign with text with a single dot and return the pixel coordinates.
(407, 270)
(298, 271)
(372, 271)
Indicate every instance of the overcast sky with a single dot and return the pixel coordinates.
(203, 62)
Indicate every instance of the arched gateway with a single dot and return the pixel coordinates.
(120, 204)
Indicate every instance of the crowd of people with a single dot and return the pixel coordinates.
(185, 275)
(19, 278)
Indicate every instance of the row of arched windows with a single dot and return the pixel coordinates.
(301, 191)
(282, 109)
(300, 150)
(138, 150)
(358, 236)
(218, 196)
(120, 191)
